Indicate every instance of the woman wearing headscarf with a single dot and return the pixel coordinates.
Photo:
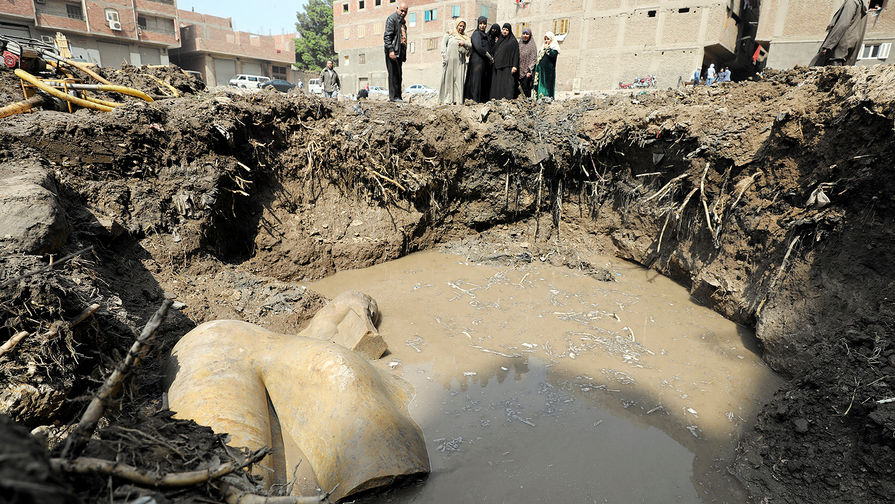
(478, 72)
(494, 36)
(454, 49)
(545, 69)
(506, 65)
(528, 56)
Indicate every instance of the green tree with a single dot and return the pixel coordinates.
(314, 44)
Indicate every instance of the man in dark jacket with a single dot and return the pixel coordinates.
(395, 40)
(845, 34)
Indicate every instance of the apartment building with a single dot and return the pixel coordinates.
(605, 42)
(109, 32)
(792, 31)
(357, 31)
(210, 46)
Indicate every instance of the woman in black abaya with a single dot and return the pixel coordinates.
(478, 72)
(506, 65)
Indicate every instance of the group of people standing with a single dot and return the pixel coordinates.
(711, 76)
(492, 64)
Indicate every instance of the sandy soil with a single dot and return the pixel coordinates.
(228, 200)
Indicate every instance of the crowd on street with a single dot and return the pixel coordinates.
(490, 64)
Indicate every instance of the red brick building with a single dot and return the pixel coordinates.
(103, 32)
(210, 46)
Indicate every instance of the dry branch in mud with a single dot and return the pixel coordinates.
(90, 465)
(112, 386)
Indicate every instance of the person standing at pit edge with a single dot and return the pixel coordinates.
(845, 34)
(395, 40)
(545, 69)
(528, 56)
(478, 71)
(330, 80)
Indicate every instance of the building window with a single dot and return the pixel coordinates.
(522, 26)
(431, 15)
(155, 24)
(485, 10)
(412, 47)
(74, 11)
(279, 72)
(651, 13)
(683, 10)
(455, 11)
(377, 28)
(561, 26)
(361, 31)
(361, 4)
(378, 3)
(344, 8)
(411, 19)
(346, 61)
(112, 15)
(877, 4)
(875, 51)
(361, 59)
(347, 33)
(391, 1)
(431, 44)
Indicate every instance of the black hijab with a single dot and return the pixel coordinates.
(507, 52)
(494, 36)
(482, 19)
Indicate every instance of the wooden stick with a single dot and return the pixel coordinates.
(15, 339)
(666, 187)
(708, 219)
(84, 429)
(90, 465)
(12, 342)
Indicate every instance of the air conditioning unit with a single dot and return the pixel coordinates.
(46, 39)
(40, 1)
(115, 25)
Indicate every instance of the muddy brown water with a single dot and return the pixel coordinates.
(541, 384)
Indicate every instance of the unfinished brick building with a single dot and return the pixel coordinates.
(609, 41)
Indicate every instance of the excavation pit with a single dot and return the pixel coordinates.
(536, 382)
(769, 202)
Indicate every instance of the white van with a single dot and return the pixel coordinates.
(315, 86)
(248, 81)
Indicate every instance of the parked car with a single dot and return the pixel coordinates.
(378, 90)
(419, 89)
(248, 81)
(193, 73)
(278, 84)
(315, 86)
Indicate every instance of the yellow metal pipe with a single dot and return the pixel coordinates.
(126, 91)
(34, 81)
(22, 106)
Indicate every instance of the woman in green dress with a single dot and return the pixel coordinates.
(545, 70)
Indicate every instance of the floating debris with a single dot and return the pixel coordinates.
(448, 445)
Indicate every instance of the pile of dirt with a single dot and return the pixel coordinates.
(767, 199)
(149, 79)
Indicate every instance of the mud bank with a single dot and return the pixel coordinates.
(227, 201)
